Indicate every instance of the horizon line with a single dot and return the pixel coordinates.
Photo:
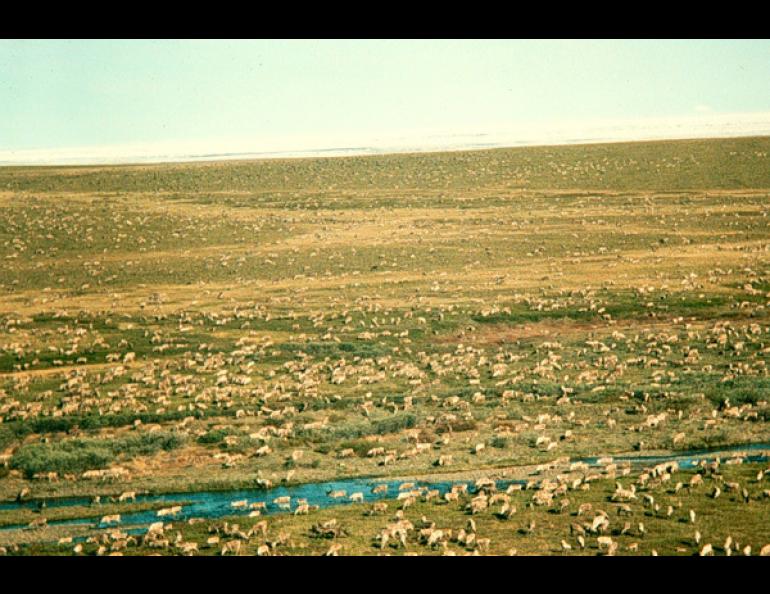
(693, 127)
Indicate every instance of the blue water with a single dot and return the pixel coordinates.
(217, 504)
(691, 458)
(58, 502)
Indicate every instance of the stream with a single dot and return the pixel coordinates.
(217, 504)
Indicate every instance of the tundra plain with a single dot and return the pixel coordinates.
(468, 316)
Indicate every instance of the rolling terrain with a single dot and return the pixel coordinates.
(501, 314)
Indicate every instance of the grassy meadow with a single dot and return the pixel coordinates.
(218, 325)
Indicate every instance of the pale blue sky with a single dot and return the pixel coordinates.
(56, 94)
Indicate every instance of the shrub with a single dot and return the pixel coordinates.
(499, 442)
(381, 427)
(456, 426)
(146, 443)
(213, 436)
(89, 422)
(359, 446)
(78, 455)
(394, 424)
(67, 456)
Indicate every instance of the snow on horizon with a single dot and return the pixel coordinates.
(700, 126)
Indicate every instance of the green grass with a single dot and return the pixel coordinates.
(572, 294)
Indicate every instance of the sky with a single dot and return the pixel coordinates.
(84, 100)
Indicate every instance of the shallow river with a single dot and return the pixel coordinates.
(217, 504)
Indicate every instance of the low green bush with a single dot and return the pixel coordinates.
(79, 455)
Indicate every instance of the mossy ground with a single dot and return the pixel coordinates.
(608, 298)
